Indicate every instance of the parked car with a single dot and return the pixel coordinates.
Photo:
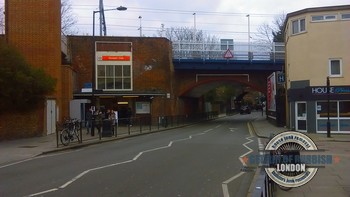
(245, 109)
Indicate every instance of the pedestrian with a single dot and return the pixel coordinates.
(98, 120)
(88, 119)
(116, 117)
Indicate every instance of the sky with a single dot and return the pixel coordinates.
(226, 19)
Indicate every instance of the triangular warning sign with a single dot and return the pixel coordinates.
(228, 54)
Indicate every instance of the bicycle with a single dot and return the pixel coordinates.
(70, 131)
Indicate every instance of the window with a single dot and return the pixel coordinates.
(298, 26)
(345, 16)
(319, 18)
(114, 77)
(339, 112)
(335, 68)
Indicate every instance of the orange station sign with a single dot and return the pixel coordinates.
(115, 58)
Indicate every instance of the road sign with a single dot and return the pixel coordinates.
(228, 54)
(280, 77)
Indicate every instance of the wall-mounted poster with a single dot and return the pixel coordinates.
(143, 107)
(271, 92)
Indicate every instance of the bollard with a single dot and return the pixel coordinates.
(93, 126)
(81, 132)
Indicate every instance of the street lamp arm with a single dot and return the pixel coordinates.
(120, 8)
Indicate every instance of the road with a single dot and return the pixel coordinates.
(197, 160)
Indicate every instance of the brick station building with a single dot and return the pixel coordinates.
(130, 72)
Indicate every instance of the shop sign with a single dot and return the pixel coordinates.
(322, 90)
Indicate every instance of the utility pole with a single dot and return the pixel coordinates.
(140, 28)
(194, 27)
(249, 49)
(102, 19)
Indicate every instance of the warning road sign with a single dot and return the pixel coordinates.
(228, 54)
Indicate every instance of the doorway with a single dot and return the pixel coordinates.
(300, 117)
(51, 117)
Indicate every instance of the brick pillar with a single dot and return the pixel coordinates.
(34, 28)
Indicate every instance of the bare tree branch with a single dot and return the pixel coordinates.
(68, 19)
(271, 33)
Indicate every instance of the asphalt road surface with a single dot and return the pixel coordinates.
(197, 160)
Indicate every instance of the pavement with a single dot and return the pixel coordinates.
(333, 180)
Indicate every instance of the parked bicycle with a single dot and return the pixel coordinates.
(70, 131)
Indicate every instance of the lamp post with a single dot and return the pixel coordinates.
(120, 8)
(328, 108)
(194, 27)
(249, 55)
(93, 100)
(140, 17)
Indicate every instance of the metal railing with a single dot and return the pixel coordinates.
(239, 51)
(125, 127)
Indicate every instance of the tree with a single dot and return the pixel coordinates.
(268, 34)
(68, 19)
(22, 86)
(187, 34)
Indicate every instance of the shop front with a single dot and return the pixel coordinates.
(312, 106)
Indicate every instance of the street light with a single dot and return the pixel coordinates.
(328, 108)
(140, 17)
(120, 8)
(249, 55)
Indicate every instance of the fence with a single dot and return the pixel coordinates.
(240, 51)
(124, 127)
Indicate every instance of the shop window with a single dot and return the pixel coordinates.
(322, 109)
(339, 116)
(335, 67)
(344, 109)
(298, 26)
(322, 125)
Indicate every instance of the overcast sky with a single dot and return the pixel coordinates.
(223, 18)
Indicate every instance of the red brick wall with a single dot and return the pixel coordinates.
(145, 51)
(21, 124)
(34, 28)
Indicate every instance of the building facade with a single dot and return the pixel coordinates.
(122, 73)
(33, 27)
(317, 46)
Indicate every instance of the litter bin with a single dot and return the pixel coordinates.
(107, 129)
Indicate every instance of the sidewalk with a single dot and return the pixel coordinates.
(333, 180)
(18, 150)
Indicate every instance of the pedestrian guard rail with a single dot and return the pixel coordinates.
(124, 127)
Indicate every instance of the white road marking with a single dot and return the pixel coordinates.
(225, 183)
(35, 157)
(233, 129)
(44, 192)
(119, 163)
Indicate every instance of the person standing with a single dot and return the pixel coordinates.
(98, 120)
(88, 119)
